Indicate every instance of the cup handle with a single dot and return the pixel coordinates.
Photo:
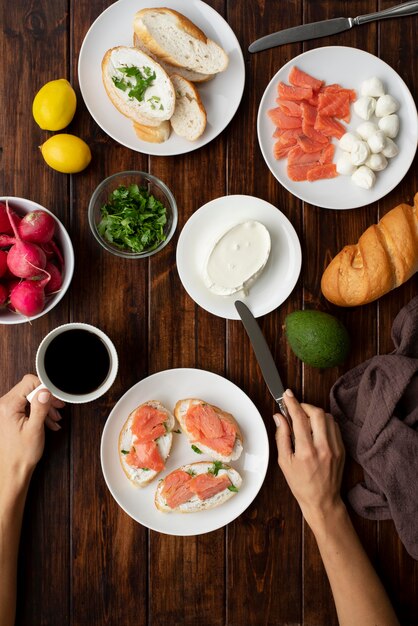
(33, 393)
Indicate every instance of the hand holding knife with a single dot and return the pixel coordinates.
(329, 27)
(265, 360)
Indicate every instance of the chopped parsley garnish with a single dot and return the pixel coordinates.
(154, 102)
(133, 219)
(145, 469)
(125, 451)
(138, 82)
(196, 449)
(178, 432)
(233, 488)
(191, 472)
(217, 465)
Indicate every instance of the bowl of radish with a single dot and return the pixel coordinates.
(36, 260)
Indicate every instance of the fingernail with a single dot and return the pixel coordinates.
(276, 419)
(56, 426)
(289, 393)
(44, 397)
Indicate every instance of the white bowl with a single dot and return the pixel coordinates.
(22, 206)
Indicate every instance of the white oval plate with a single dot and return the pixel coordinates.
(348, 67)
(221, 95)
(208, 224)
(168, 387)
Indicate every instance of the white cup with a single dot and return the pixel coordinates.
(61, 394)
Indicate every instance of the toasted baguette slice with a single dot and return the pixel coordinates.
(180, 410)
(176, 40)
(153, 134)
(159, 98)
(189, 117)
(139, 476)
(194, 77)
(195, 504)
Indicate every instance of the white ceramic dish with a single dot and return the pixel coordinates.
(221, 95)
(23, 206)
(206, 226)
(348, 67)
(168, 387)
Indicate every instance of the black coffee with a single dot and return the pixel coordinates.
(77, 361)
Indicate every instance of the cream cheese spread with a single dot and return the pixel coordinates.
(237, 258)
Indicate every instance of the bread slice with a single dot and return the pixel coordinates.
(140, 476)
(195, 504)
(194, 77)
(180, 410)
(157, 102)
(153, 134)
(176, 40)
(189, 117)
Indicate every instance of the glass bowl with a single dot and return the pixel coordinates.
(154, 187)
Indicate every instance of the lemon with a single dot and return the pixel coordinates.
(66, 153)
(54, 105)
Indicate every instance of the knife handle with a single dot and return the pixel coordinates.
(408, 8)
(285, 413)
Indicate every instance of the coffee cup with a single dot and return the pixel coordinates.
(76, 362)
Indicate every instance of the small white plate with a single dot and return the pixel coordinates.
(348, 67)
(221, 95)
(208, 224)
(168, 387)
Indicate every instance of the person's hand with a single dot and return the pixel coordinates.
(22, 437)
(314, 469)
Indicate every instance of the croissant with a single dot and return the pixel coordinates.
(385, 256)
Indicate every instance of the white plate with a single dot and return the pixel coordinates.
(348, 67)
(208, 224)
(168, 387)
(221, 95)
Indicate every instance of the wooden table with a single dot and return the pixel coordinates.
(83, 560)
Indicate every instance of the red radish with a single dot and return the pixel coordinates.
(6, 241)
(51, 249)
(24, 259)
(55, 283)
(5, 226)
(37, 227)
(4, 294)
(28, 297)
(3, 262)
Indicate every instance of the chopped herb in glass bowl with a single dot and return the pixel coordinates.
(133, 214)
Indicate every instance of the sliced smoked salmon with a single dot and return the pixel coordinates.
(176, 488)
(301, 79)
(206, 426)
(208, 485)
(145, 456)
(309, 110)
(148, 423)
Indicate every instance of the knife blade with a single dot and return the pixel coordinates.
(329, 27)
(264, 359)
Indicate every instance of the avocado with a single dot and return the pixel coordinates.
(318, 339)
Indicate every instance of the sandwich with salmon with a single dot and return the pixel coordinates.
(145, 442)
(209, 429)
(197, 487)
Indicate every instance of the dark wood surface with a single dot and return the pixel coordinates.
(83, 560)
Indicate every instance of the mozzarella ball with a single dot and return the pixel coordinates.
(364, 177)
(344, 165)
(372, 87)
(376, 162)
(365, 106)
(377, 141)
(347, 141)
(390, 125)
(386, 105)
(366, 130)
(359, 153)
(391, 149)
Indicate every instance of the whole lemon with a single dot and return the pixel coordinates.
(66, 153)
(54, 105)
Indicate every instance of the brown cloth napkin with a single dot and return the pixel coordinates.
(376, 407)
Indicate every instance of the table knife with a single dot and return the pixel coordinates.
(265, 359)
(329, 27)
